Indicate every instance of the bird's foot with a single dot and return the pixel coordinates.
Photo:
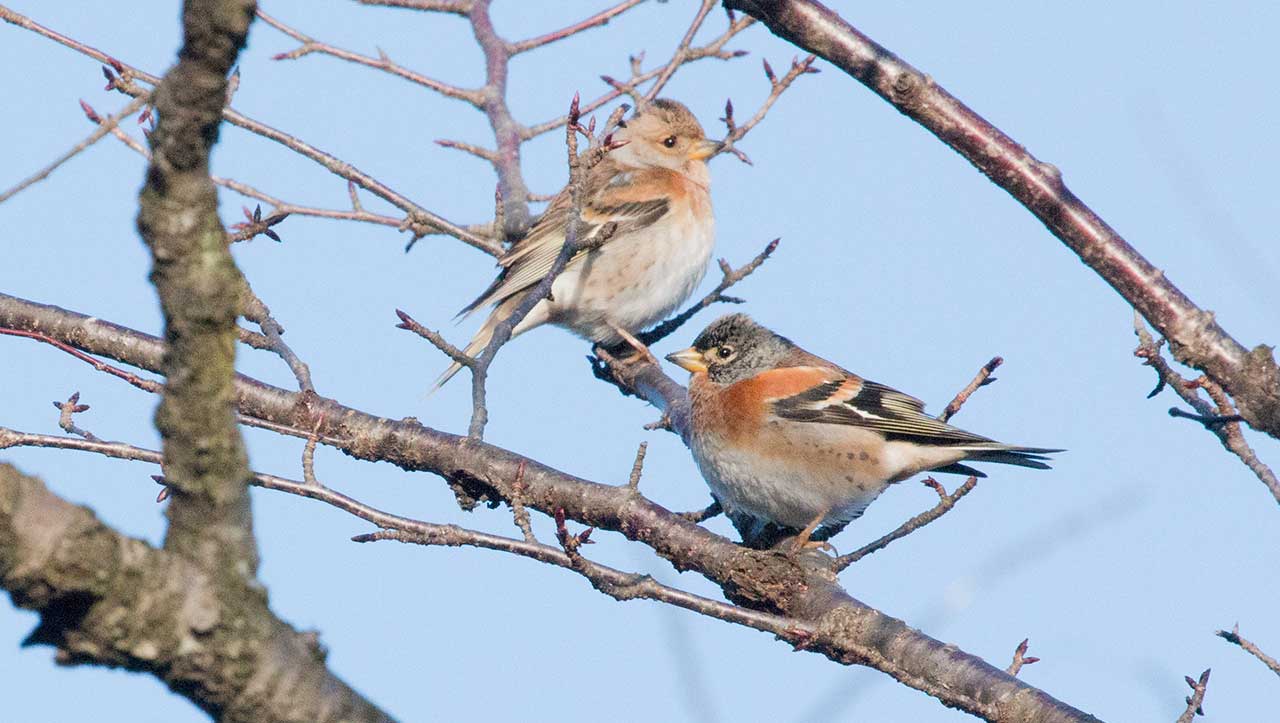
(642, 353)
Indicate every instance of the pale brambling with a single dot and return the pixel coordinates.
(652, 198)
(786, 437)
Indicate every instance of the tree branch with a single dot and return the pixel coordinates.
(844, 629)
(1251, 377)
(210, 638)
(199, 286)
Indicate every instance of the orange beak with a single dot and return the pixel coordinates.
(690, 360)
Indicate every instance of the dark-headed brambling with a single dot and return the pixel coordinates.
(786, 437)
(653, 195)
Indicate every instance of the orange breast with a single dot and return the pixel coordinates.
(739, 412)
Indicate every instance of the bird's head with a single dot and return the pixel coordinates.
(733, 348)
(664, 134)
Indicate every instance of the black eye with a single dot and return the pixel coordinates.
(724, 352)
(669, 141)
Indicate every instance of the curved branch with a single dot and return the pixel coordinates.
(1252, 377)
(844, 629)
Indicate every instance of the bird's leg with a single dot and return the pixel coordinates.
(804, 541)
(642, 351)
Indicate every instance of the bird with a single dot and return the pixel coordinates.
(786, 438)
(650, 201)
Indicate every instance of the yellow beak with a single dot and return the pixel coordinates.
(690, 360)
(705, 149)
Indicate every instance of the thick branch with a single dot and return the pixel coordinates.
(211, 639)
(843, 628)
(1252, 377)
(199, 288)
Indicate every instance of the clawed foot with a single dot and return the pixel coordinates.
(804, 541)
(642, 353)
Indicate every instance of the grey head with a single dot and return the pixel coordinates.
(733, 348)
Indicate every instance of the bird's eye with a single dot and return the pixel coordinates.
(669, 141)
(724, 352)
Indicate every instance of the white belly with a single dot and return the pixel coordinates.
(634, 281)
(773, 489)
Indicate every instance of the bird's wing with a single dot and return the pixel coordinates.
(622, 202)
(856, 402)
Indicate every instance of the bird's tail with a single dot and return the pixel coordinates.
(1032, 457)
(536, 317)
(474, 347)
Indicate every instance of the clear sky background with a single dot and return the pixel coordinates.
(898, 260)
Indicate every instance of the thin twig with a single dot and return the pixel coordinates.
(600, 18)
(518, 511)
(310, 45)
(418, 220)
(65, 420)
(408, 323)
(702, 515)
(1249, 647)
(777, 86)
(713, 49)
(1219, 418)
(729, 277)
(104, 127)
(637, 467)
(1195, 701)
(982, 379)
(945, 503)
(253, 309)
(145, 385)
(678, 57)
(455, 7)
(1020, 658)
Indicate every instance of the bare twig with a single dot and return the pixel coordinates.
(382, 62)
(1020, 658)
(777, 86)
(1218, 417)
(1195, 701)
(945, 503)
(68, 408)
(600, 18)
(1249, 647)
(418, 220)
(408, 323)
(704, 514)
(144, 384)
(518, 511)
(729, 277)
(678, 57)
(637, 467)
(455, 7)
(253, 309)
(713, 49)
(105, 125)
(982, 379)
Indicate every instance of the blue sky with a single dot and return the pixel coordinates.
(898, 260)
